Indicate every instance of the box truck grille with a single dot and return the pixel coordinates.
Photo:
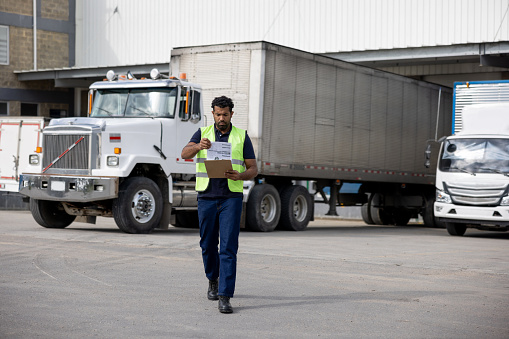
(476, 195)
(76, 158)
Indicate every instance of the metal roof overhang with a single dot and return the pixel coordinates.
(486, 54)
(85, 76)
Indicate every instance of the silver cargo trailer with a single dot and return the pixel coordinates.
(314, 118)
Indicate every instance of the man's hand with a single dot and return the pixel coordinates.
(205, 144)
(232, 175)
(250, 173)
(191, 149)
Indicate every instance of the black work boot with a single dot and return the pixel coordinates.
(212, 292)
(224, 304)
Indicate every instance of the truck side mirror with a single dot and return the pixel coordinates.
(427, 154)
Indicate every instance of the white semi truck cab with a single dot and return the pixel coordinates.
(472, 181)
(121, 161)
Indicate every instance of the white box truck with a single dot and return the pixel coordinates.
(472, 179)
(310, 117)
(19, 137)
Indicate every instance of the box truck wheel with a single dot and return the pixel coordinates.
(428, 214)
(50, 214)
(454, 228)
(263, 208)
(296, 208)
(139, 206)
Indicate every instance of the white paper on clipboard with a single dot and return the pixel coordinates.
(220, 151)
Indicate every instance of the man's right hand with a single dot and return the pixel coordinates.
(205, 144)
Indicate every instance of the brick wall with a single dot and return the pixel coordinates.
(24, 7)
(55, 9)
(52, 51)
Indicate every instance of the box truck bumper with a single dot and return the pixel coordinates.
(494, 215)
(64, 188)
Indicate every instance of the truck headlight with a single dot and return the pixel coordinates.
(33, 159)
(505, 201)
(112, 160)
(443, 197)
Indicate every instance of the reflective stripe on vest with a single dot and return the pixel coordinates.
(236, 138)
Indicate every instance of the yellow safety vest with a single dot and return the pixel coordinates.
(236, 138)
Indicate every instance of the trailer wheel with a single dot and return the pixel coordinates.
(295, 208)
(454, 228)
(50, 214)
(378, 214)
(366, 211)
(187, 219)
(139, 206)
(263, 208)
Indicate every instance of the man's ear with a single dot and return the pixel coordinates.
(231, 114)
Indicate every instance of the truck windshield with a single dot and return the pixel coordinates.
(149, 102)
(475, 156)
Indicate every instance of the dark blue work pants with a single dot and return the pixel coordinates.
(220, 225)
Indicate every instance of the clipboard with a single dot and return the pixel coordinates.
(216, 168)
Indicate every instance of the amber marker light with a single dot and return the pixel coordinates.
(117, 150)
(38, 149)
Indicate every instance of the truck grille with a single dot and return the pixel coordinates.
(77, 158)
(478, 195)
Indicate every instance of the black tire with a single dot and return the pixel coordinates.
(50, 214)
(139, 206)
(366, 211)
(428, 214)
(378, 214)
(187, 219)
(456, 229)
(263, 208)
(296, 208)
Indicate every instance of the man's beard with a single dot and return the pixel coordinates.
(223, 127)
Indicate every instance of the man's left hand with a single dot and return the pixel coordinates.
(232, 175)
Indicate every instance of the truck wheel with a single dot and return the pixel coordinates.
(378, 214)
(454, 228)
(366, 211)
(139, 206)
(50, 214)
(187, 219)
(295, 208)
(263, 208)
(428, 214)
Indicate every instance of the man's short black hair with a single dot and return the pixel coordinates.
(222, 102)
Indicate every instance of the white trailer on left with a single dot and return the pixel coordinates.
(19, 137)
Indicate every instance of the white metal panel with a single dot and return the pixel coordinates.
(112, 32)
(467, 94)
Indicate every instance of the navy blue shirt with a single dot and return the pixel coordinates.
(218, 188)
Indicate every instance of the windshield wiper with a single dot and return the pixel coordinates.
(142, 111)
(462, 170)
(102, 109)
(494, 170)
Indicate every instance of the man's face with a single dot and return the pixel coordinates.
(222, 117)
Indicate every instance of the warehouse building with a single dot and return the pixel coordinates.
(48, 60)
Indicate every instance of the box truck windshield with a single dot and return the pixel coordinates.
(475, 156)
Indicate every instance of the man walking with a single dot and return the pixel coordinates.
(220, 200)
